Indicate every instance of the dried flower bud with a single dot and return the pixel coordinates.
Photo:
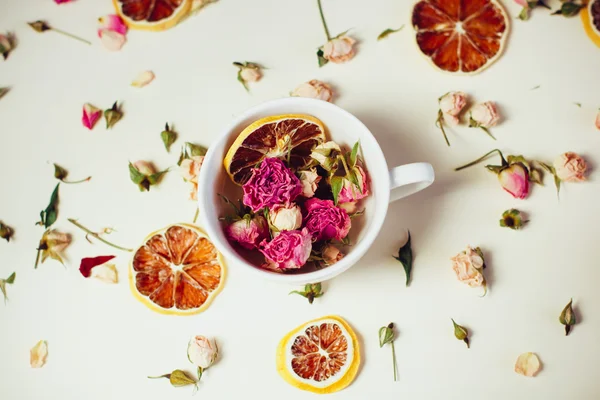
(112, 115)
(38, 354)
(143, 174)
(6, 45)
(6, 232)
(39, 26)
(567, 317)
(512, 219)
(311, 291)
(168, 137)
(178, 378)
(461, 333)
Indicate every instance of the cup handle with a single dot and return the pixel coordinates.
(410, 178)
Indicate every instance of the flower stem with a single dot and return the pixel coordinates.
(196, 214)
(486, 155)
(323, 21)
(486, 130)
(94, 234)
(72, 36)
(37, 257)
(440, 123)
(394, 361)
(74, 182)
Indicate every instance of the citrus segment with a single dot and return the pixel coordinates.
(275, 136)
(590, 16)
(460, 36)
(321, 356)
(176, 271)
(153, 15)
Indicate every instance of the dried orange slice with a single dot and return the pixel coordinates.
(152, 15)
(177, 270)
(460, 36)
(590, 16)
(274, 136)
(320, 356)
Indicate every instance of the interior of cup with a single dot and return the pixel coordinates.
(342, 128)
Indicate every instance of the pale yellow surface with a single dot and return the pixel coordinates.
(103, 344)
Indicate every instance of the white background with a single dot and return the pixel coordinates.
(103, 343)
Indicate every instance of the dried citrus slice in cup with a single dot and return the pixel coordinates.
(590, 16)
(320, 356)
(274, 136)
(176, 270)
(460, 36)
(152, 15)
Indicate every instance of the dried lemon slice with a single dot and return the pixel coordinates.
(320, 356)
(152, 15)
(177, 270)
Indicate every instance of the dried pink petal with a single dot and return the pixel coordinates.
(143, 79)
(112, 41)
(528, 364)
(113, 23)
(91, 115)
(106, 273)
(38, 354)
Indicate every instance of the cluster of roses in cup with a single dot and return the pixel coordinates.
(303, 216)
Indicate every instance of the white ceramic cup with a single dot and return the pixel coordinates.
(387, 185)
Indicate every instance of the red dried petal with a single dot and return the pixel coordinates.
(88, 263)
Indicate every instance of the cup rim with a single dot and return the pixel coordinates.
(213, 227)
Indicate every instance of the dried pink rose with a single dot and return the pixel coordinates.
(112, 31)
(515, 180)
(340, 49)
(468, 266)
(570, 167)
(310, 181)
(286, 218)
(190, 168)
(350, 192)
(91, 115)
(314, 89)
(271, 183)
(248, 231)
(325, 221)
(331, 254)
(288, 250)
(484, 115)
(452, 103)
(528, 364)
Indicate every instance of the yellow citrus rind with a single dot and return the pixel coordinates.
(179, 14)
(586, 19)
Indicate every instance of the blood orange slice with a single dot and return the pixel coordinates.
(152, 15)
(275, 136)
(590, 16)
(177, 270)
(460, 36)
(320, 356)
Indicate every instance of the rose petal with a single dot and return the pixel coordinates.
(106, 273)
(88, 263)
(143, 79)
(528, 364)
(113, 23)
(38, 354)
(91, 115)
(112, 41)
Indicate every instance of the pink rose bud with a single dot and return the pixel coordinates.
(250, 74)
(331, 254)
(339, 50)
(468, 267)
(91, 115)
(325, 221)
(271, 183)
(515, 180)
(598, 120)
(286, 218)
(288, 250)
(315, 90)
(248, 232)
(112, 23)
(485, 114)
(452, 103)
(570, 167)
(350, 192)
(310, 181)
(144, 167)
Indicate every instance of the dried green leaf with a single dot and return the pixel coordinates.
(191, 150)
(461, 333)
(388, 32)
(155, 178)
(49, 215)
(242, 80)
(405, 256)
(354, 154)
(178, 378)
(321, 58)
(567, 317)
(569, 9)
(386, 334)
(136, 176)
(6, 232)
(577, 104)
(311, 292)
(3, 282)
(552, 171)
(11, 278)
(168, 137)
(536, 87)
(337, 183)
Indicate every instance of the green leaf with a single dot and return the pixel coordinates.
(405, 257)
(577, 104)
(552, 171)
(59, 172)
(569, 9)
(11, 278)
(155, 178)
(354, 154)
(386, 334)
(311, 291)
(136, 176)
(321, 58)
(337, 183)
(388, 32)
(49, 215)
(461, 333)
(242, 81)
(168, 137)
